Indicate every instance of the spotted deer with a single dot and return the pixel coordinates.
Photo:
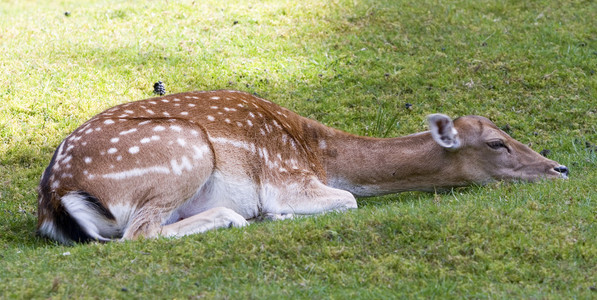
(191, 162)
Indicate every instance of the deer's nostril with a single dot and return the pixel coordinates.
(562, 169)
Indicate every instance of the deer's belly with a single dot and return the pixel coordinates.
(238, 194)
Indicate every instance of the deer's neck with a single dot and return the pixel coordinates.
(372, 166)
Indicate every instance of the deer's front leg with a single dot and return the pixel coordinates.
(312, 197)
(217, 217)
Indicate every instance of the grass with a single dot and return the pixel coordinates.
(528, 66)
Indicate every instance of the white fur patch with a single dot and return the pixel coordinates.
(128, 131)
(134, 150)
(136, 172)
(48, 228)
(185, 164)
(200, 151)
(86, 216)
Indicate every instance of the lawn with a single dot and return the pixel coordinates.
(355, 65)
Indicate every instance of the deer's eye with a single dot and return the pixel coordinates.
(497, 144)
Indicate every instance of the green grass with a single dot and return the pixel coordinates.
(527, 65)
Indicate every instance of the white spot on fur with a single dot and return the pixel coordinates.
(128, 111)
(128, 131)
(149, 111)
(155, 137)
(276, 124)
(87, 160)
(215, 98)
(184, 113)
(181, 142)
(249, 123)
(134, 150)
(211, 118)
(159, 128)
(213, 107)
(200, 151)
(166, 114)
(252, 115)
(119, 158)
(145, 122)
(322, 144)
(229, 109)
(112, 150)
(185, 164)
(145, 140)
(108, 122)
(88, 131)
(227, 120)
(191, 105)
(165, 100)
(175, 128)
(239, 124)
(114, 140)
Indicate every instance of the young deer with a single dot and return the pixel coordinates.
(191, 162)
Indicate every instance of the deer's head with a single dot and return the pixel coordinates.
(487, 153)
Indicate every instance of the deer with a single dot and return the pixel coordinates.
(187, 163)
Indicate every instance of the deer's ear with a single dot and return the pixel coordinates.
(443, 131)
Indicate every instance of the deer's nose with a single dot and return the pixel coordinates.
(562, 170)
